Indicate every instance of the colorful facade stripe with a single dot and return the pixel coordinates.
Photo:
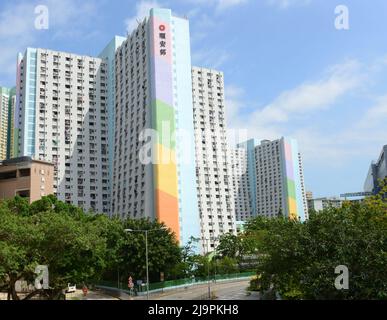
(163, 120)
(189, 216)
(294, 204)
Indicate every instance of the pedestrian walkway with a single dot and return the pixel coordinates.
(92, 295)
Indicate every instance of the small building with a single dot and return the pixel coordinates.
(26, 177)
(319, 204)
(376, 173)
(309, 195)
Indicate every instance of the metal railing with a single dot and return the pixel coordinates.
(156, 286)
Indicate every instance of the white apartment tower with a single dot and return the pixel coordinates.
(213, 163)
(4, 117)
(99, 120)
(270, 178)
(280, 180)
(132, 180)
(153, 168)
(241, 184)
(61, 117)
(275, 184)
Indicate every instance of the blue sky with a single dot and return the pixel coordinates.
(288, 70)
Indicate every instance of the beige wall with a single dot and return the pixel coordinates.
(42, 181)
(39, 183)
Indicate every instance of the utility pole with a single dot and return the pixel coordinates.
(208, 267)
(146, 254)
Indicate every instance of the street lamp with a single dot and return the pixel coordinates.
(208, 264)
(208, 267)
(146, 254)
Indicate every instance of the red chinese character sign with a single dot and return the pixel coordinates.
(162, 42)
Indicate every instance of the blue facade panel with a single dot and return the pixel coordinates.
(185, 140)
(30, 103)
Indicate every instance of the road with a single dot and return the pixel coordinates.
(222, 290)
(232, 290)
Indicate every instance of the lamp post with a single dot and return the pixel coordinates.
(146, 254)
(208, 264)
(208, 267)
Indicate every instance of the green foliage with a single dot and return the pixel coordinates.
(18, 252)
(188, 264)
(163, 250)
(240, 249)
(226, 265)
(298, 260)
(230, 246)
(77, 247)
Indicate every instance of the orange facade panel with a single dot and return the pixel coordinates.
(167, 211)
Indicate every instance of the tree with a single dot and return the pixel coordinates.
(298, 260)
(163, 249)
(18, 245)
(51, 233)
(230, 246)
(240, 248)
(75, 252)
(188, 261)
(226, 265)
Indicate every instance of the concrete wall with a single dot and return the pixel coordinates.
(39, 183)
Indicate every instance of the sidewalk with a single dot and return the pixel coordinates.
(78, 295)
(92, 295)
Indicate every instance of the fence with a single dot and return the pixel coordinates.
(159, 286)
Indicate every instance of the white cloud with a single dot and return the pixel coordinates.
(284, 4)
(14, 21)
(17, 28)
(234, 100)
(203, 19)
(142, 11)
(376, 115)
(210, 58)
(227, 4)
(328, 142)
(71, 19)
(303, 113)
(309, 96)
(219, 5)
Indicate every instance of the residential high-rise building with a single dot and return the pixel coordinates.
(278, 187)
(61, 117)
(213, 160)
(7, 103)
(11, 124)
(377, 172)
(4, 106)
(244, 180)
(241, 184)
(136, 132)
(109, 55)
(154, 167)
(280, 179)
